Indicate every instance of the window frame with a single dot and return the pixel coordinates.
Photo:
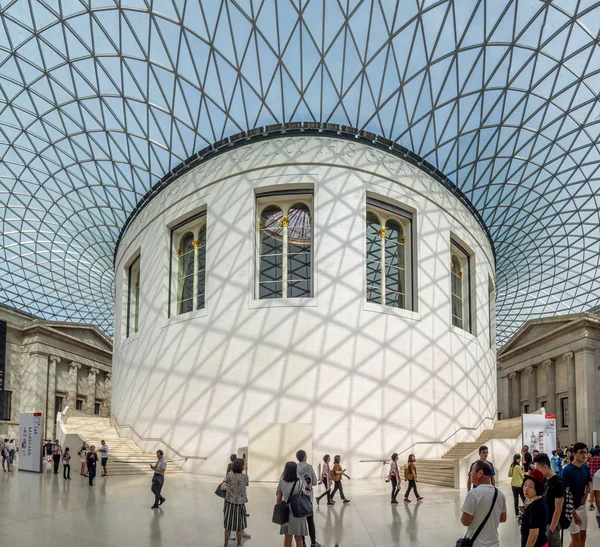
(564, 405)
(386, 212)
(466, 262)
(131, 271)
(193, 224)
(284, 201)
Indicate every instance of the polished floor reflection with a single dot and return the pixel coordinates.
(116, 511)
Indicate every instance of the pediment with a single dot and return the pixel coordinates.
(87, 334)
(533, 330)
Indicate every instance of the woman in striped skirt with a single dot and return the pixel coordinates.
(234, 511)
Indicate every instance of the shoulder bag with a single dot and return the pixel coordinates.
(468, 542)
(300, 503)
(281, 511)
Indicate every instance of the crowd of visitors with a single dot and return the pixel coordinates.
(550, 492)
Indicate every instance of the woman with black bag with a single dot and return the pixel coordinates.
(289, 486)
(234, 511)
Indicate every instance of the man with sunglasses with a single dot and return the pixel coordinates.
(577, 479)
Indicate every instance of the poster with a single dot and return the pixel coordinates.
(30, 442)
(539, 432)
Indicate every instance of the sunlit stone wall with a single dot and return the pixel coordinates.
(371, 380)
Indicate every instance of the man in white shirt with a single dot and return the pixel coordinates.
(477, 505)
(104, 457)
(596, 488)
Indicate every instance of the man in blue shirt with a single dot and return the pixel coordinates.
(483, 455)
(577, 479)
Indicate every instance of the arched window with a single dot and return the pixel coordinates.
(284, 243)
(185, 278)
(271, 253)
(188, 266)
(388, 264)
(133, 297)
(456, 274)
(299, 251)
(460, 286)
(200, 268)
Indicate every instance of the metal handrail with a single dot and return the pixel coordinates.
(432, 442)
(156, 439)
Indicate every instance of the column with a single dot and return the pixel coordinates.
(51, 397)
(34, 388)
(550, 367)
(509, 395)
(90, 399)
(516, 393)
(532, 384)
(587, 394)
(569, 358)
(105, 410)
(71, 401)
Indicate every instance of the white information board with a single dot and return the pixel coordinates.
(30, 442)
(539, 432)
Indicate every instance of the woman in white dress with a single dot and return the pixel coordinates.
(82, 454)
(289, 484)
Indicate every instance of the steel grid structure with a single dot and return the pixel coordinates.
(99, 100)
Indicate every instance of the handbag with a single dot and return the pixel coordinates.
(300, 503)
(220, 492)
(281, 513)
(468, 542)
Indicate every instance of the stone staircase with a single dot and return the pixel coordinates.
(124, 457)
(442, 472)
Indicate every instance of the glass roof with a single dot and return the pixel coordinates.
(100, 99)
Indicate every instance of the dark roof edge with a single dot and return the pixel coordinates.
(302, 128)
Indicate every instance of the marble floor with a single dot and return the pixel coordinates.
(36, 509)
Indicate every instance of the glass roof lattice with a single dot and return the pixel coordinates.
(100, 99)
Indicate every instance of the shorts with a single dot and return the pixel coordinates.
(5, 459)
(574, 529)
(104, 461)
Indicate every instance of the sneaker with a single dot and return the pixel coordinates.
(406, 500)
(331, 503)
(394, 501)
(316, 544)
(346, 502)
(419, 499)
(246, 535)
(154, 506)
(162, 500)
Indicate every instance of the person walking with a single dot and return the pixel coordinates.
(56, 455)
(289, 485)
(394, 477)
(554, 492)
(410, 474)
(535, 515)
(48, 447)
(307, 475)
(577, 479)
(12, 450)
(158, 479)
(5, 455)
(104, 457)
(66, 464)
(336, 475)
(480, 502)
(82, 457)
(91, 459)
(234, 510)
(326, 480)
(483, 456)
(555, 462)
(515, 472)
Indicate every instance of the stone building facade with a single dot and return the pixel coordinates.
(554, 363)
(51, 365)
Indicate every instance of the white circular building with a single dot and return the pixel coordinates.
(304, 291)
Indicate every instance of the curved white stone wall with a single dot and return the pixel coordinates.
(371, 380)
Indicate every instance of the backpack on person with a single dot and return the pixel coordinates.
(566, 517)
(406, 473)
